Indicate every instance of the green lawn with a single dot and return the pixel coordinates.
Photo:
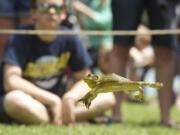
(139, 119)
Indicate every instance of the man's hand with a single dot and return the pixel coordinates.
(55, 111)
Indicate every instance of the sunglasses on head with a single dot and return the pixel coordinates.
(44, 7)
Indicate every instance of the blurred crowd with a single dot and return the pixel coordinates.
(43, 82)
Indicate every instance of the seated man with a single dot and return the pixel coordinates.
(34, 69)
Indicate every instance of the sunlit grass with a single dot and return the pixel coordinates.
(139, 119)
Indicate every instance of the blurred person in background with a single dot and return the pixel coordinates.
(175, 24)
(141, 55)
(12, 13)
(127, 16)
(34, 73)
(96, 15)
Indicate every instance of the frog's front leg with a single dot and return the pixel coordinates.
(89, 97)
(140, 95)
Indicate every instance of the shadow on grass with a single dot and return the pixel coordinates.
(145, 124)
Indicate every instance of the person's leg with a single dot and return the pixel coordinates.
(25, 109)
(126, 16)
(118, 61)
(99, 105)
(165, 73)
(163, 62)
(73, 111)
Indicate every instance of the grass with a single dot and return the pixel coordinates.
(139, 119)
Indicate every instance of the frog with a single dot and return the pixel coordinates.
(104, 83)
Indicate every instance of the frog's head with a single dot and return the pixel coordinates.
(92, 80)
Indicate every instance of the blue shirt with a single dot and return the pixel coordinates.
(44, 63)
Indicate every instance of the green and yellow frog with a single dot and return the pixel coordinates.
(114, 83)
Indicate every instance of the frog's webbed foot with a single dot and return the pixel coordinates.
(86, 102)
(87, 99)
(139, 96)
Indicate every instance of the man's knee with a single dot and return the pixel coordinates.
(13, 99)
(104, 101)
(14, 96)
(109, 99)
(32, 111)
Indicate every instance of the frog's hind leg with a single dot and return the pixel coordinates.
(140, 95)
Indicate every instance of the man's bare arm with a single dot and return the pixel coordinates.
(13, 80)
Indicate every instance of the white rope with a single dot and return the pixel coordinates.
(90, 33)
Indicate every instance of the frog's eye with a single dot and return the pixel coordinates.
(89, 75)
(95, 77)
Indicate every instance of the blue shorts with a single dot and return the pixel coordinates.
(127, 16)
(14, 8)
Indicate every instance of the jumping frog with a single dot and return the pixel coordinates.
(114, 83)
